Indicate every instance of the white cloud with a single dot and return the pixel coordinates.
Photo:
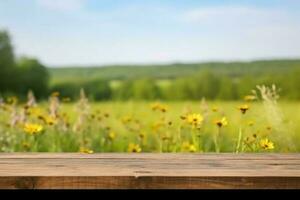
(61, 5)
(231, 14)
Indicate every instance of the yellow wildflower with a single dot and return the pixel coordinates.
(194, 119)
(157, 125)
(251, 139)
(134, 148)
(160, 107)
(126, 119)
(192, 148)
(266, 144)
(26, 145)
(47, 119)
(155, 106)
(221, 122)
(243, 108)
(249, 98)
(142, 135)
(254, 135)
(92, 116)
(50, 120)
(215, 109)
(188, 147)
(34, 111)
(165, 137)
(32, 129)
(111, 135)
(250, 123)
(12, 100)
(85, 150)
(183, 117)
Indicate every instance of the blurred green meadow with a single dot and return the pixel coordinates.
(145, 126)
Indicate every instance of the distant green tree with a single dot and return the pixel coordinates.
(124, 91)
(245, 84)
(7, 65)
(227, 89)
(205, 84)
(70, 90)
(145, 89)
(33, 76)
(179, 89)
(289, 85)
(98, 89)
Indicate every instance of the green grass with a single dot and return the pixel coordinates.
(175, 137)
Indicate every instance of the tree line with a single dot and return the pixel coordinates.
(205, 84)
(17, 76)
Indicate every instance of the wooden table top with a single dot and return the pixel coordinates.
(148, 170)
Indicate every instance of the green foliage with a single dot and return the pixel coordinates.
(173, 71)
(224, 81)
(290, 85)
(19, 77)
(137, 89)
(33, 76)
(124, 91)
(179, 89)
(228, 89)
(97, 90)
(7, 65)
(203, 84)
(145, 89)
(70, 90)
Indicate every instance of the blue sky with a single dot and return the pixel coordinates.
(89, 32)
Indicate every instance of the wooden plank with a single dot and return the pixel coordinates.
(146, 170)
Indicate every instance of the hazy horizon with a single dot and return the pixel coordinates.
(141, 64)
(120, 32)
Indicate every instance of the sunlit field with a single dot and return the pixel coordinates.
(253, 124)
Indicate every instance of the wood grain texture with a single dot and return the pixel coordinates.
(146, 170)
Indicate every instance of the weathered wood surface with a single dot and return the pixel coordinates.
(111, 170)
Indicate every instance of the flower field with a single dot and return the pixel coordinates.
(257, 123)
